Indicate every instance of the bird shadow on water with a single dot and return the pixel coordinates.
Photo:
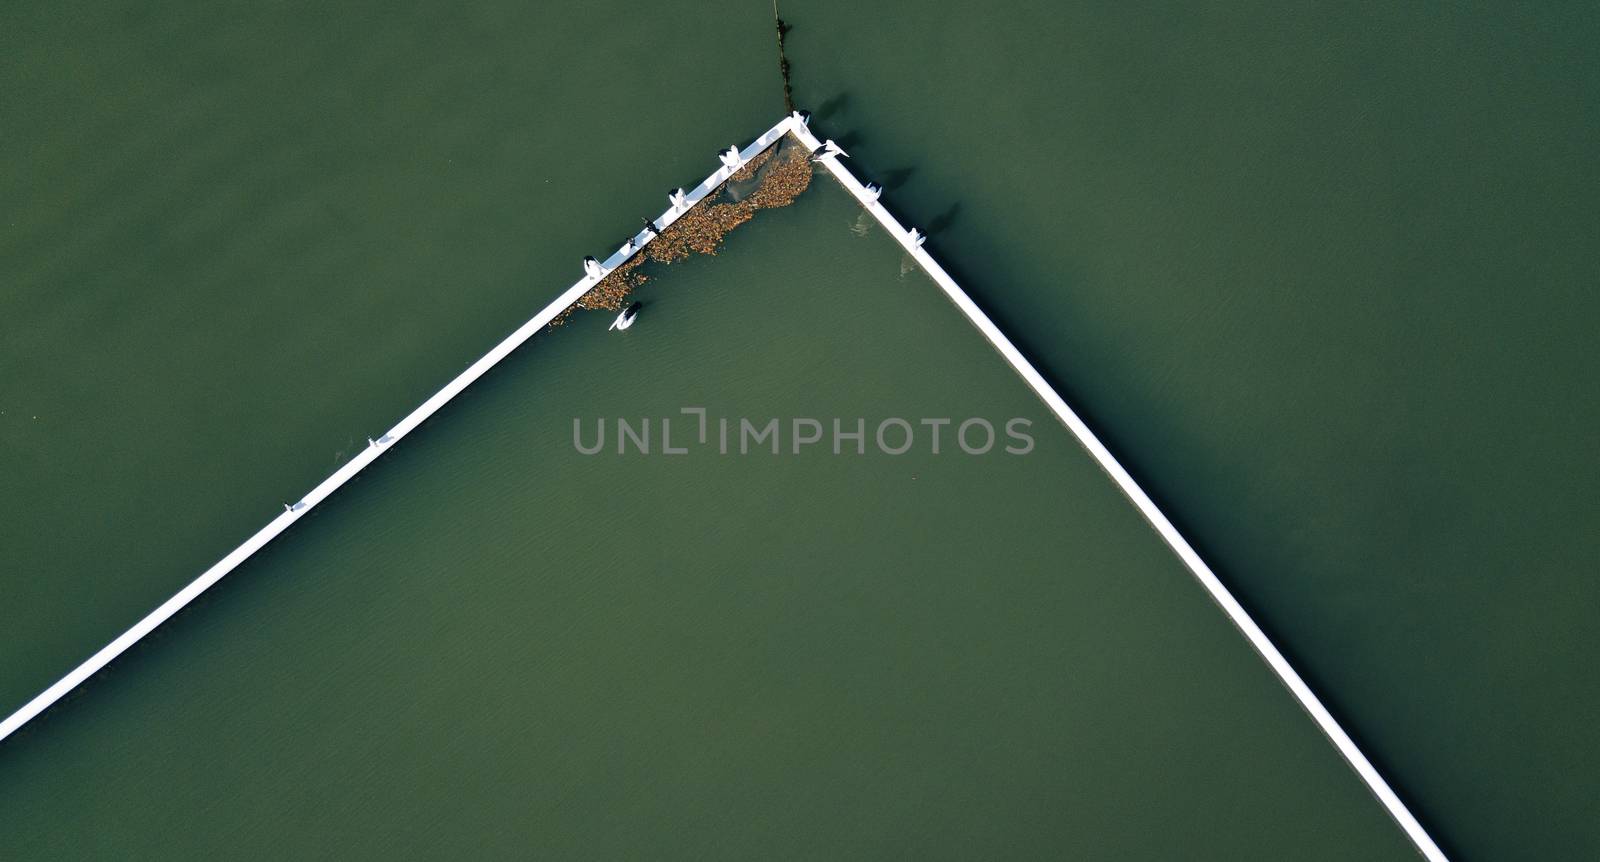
(896, 178)
(944, 220)
(831, 107)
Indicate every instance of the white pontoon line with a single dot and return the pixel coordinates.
(912, 241)
(295, 511)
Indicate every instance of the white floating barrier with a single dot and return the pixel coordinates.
(911, 240)
(828, 154)
(681, 202)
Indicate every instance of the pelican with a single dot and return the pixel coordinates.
(917, 238)
(828, 150)
(593, 267)
(626, 318)
(871, 192)
(802, 117)
(371, 442)
(730, 158)
(678, 199)
(286, 508)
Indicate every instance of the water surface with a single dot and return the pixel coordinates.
(1322, 277)
(491, 642)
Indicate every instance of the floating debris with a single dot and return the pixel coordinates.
(780, 173)
(789, 176)
(610, 292)
(748, 172)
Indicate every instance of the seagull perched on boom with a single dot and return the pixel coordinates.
(593, 267)
(678, 199)
(730, 157)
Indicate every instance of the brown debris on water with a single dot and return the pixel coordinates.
(609, 293)
(699, 231)
(702, 229)
(612, 291)
(784, 181)
(750, 167)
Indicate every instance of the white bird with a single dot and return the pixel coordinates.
(828, 150)
(730, 157)
(917, 238)
(286, 508)
(678, 199)
(871, 192)
(593, 267)
(371, 442)
(803, 117)
(626, 318)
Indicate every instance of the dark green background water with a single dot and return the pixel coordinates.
(1323, 276)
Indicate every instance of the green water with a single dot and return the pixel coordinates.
(1322, 277)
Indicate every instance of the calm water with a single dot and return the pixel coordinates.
(1320, 276)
